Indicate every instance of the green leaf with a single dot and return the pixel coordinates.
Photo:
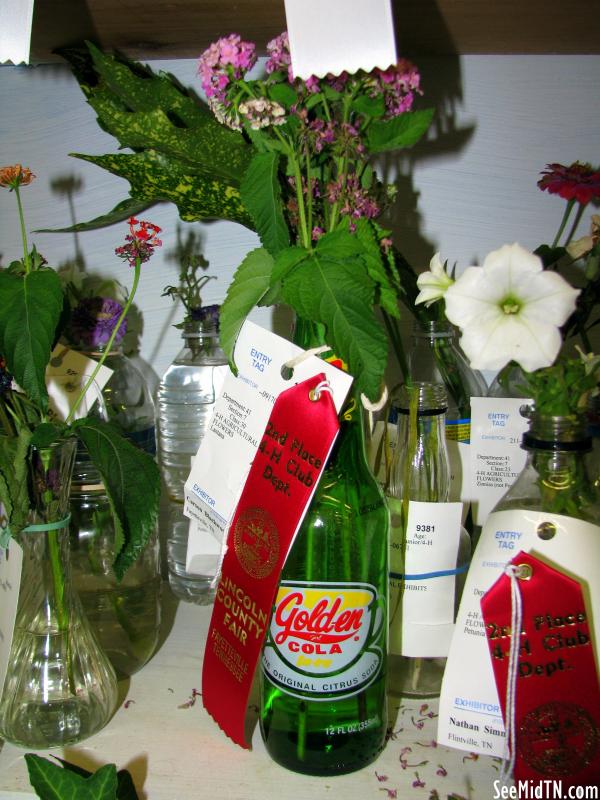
(140, 89)
(405, 130)
(132, 482)
(387, 292)
(283, 94)
(53, 782)
(368, 106)
(200, 148)
(250, 282)
(125, 787)
(154, 177)
(123, 210)
(46, 433)
(13, 478)
(333, 287)
(31, 308)
(261, 196)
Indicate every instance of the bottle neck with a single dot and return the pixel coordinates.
(351, 440)
(420, 469)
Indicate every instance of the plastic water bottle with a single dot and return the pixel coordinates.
(185, 399)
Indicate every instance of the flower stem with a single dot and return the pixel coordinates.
(26, 260)
(576, 221)
(563, 222)
(109, 344)
(58, 580)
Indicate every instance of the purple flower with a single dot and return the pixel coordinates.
(209, 315)
(94, 319)
(398, 85)
(5, 377)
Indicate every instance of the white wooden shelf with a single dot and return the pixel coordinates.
(175, 751)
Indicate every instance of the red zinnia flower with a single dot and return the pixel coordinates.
(577, 182)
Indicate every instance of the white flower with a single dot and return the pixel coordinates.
(433, 284)
(510, 309)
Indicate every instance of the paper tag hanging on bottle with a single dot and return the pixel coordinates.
(285, 471)
(236, 425)
(556, 702)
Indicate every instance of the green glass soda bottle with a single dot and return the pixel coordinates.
(323, 677)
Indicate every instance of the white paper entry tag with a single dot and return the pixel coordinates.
(11, 560)
(333, 36)
(66, 376)
(426, 621)
(496, 454)
(204, 551)
(238, 421)
(470, 716)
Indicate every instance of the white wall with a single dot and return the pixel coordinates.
(502, 119)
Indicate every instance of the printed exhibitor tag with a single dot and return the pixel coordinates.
(293, 450)
(235, 429)
(11, 560)
(470, 714)
(496, 456)
(423, 579)
(557, 697)
(339, 36)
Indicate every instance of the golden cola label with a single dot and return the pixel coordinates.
(325, 640)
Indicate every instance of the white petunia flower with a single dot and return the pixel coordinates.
(510, 309)
(433, 284)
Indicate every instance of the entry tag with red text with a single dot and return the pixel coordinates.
(293, 449)
(556, 702)
(235, 431)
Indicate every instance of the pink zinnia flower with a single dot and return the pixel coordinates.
(577, 182)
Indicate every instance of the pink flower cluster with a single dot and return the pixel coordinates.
(225, 60)
(280, 59)
(398, 85)
(279, 55)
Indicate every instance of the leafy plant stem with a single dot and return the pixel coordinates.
(109, 344)
(26, 259)
(304, 235)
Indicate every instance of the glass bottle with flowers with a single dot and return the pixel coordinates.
(59, 687)
(291, 159)
(124, 613)
(512, 309)
(578, 184)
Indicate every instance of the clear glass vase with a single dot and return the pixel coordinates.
(60, 687)
(125, 614)
(420, 472)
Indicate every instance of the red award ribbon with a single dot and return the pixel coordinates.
(554, 710)
(284, 473)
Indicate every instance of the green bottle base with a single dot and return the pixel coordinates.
(321, 738)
